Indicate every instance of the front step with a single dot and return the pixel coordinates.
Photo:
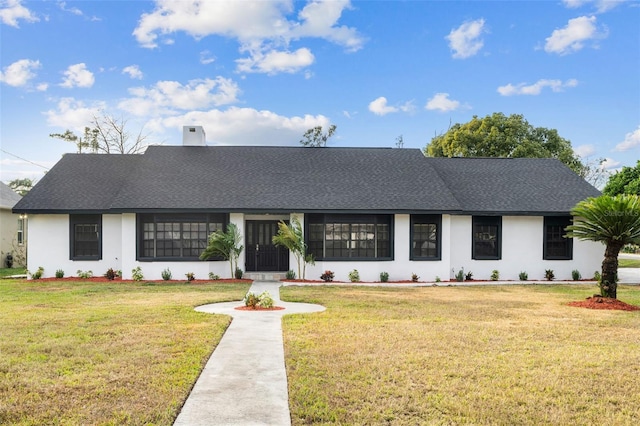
(265, 276)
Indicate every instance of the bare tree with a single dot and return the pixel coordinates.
(315, 137)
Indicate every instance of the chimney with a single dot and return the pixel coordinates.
(193, 136)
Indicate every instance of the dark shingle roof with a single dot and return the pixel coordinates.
(286, 179)
(8, 198)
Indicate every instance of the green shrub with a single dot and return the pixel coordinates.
(327, 276)
(190, 276)
(239, 274)
(384, 277)
(166, 274)
(415, 278)
(549, 275)
(251, 300)
(460, 275)
(213, 277)
(523, 276)
(59, 273)
(291, 275)
(262, 300)
(468, 276)
(137, 274)
(110, 274)
(495, 275)
(38, 274)
(596, 276)
(575, 274)
(84, 274)
(354, 276)
(438, 279)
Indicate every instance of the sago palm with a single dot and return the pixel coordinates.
(614, 221)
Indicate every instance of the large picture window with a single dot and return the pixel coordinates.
(176, 236)
(85, 237)
(425, 237)
(487, 238)
(556, 246)
(342, 237)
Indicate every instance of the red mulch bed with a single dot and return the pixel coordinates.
(599, 302)
(120, 280)
(258, 308)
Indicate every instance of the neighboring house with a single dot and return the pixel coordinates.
(371, 209)
(12, 227)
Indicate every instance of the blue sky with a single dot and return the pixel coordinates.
(261, 73)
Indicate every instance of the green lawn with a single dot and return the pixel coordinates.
(7, 272)
(462, 355)
(629, 263)
(104, 353)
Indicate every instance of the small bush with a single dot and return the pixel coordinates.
(59, 273)
(415, 278)
(291, 275)
(263, 300)
(166, 274)
(213, 277)
(190, 276)
(239, 274)
(495, 275)
(523, 276)
(575, 274)
(38, 274)
(327, 276)
(468, 276)
(549, 275)
(438, 279)
(110, 274)
(84, 274)
(596, 276)
(251, 300)
(354, 276)
(460, 275)
(384, 277)
(137, 274)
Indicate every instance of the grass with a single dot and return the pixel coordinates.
(104, 353)
(629, 263)
(462, 355)
(6, 272)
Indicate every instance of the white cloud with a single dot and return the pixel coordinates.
(466, 41)
(168, 96)
(73, 10)
(19, 73)
(609, 163)
(601, 6)
(206, 57)
(72, 114)
(631, 140)
(441, 102)
(13, 11)
(573, 37)
(274, 62)
(536, 88)
(260, 27)
(244, 126)
(133, 71)
(584, 151)
(379, 106)
(78, 76)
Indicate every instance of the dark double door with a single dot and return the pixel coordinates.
(261, 254)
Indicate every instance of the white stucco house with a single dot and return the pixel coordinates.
(371, 209)
(12, 227)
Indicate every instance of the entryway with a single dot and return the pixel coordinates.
(261, 253)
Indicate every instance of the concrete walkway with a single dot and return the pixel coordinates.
(245, 381)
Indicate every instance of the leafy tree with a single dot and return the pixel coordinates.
(226, 245)
(626, 181)
(107, 135)
(612, 220)
(497, 135)
(21, 186)
(291, 237)
(315, 137)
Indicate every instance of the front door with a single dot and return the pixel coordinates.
(261, 254)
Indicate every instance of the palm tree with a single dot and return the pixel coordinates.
(614, 221)
(226, 245)
(292, 237)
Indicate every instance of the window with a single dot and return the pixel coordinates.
(337, 237)
(86, 237)
(176, 236)
(556, 246)
(20, 234)
(425, 237)
(487, 238)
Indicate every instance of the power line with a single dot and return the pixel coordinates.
(24, 159)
